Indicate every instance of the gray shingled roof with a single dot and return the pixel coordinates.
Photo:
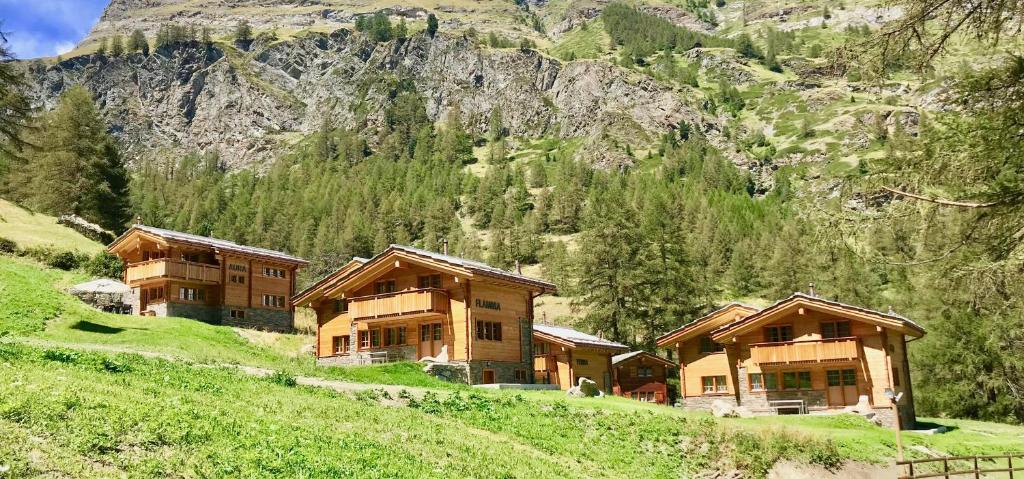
(799, 295)
(618, 358)
(578, 337)
(224, 245)
(474, 266)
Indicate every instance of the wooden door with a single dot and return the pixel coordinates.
(488, 376)
(430, 339)
(842, 387)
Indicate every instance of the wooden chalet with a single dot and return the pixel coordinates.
(410, 304)
(179, 274)
(642, 376)
(799, 355)
(563, 355)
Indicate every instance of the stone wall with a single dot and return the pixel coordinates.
(504, 371)
(703, 403)
(455, 372)
(199, 312)
(258, 318)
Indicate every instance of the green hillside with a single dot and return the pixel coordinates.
(95, 395)
(29, 229)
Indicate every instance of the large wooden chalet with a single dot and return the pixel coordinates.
(801, 354)
(407, 303)
(218, 281)
(563, 355)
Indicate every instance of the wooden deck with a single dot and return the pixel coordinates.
(826, 350)
(165, 268)
(401, 303)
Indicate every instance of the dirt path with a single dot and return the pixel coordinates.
(312, 381)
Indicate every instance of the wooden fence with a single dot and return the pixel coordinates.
(968, 466)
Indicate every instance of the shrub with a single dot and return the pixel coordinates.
(115, 366)
(65, 260)
(60, 355)
(282, 378)
(8, 246)
(104, 265)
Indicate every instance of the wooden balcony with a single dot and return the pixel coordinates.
(416, 302)
(172, 269)
(826, 350)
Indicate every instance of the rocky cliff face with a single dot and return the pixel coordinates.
(248, 105)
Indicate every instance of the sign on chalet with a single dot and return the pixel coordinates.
(407, 303)
(213, 280)
(801, 354)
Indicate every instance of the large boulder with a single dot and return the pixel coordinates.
(720, 408)
(586, 388)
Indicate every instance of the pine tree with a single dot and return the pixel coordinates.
(137, 42)
(402, 30)
(15, 109)
(243, 32)
(102, 48)
(431, 25)
(117, 46)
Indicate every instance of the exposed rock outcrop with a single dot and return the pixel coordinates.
(246, 106)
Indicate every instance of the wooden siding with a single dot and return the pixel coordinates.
(597, 367)
(260, 285)
(513, 312)
(695, 365)
(627, 379)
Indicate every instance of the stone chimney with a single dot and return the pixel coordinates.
(138, 220)
(519, 268)
(810, 290)
(444, 246)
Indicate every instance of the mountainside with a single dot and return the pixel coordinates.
(247, 105)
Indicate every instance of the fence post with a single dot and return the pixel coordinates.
(945, 466)
(1009, 464)
(977, 473)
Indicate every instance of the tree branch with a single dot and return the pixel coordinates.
(940, 201)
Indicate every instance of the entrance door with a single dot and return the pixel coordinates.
(842, 387)
(430, 339)
(488, 376)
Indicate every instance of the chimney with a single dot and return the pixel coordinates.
(138, 219)
(444, 246)
(811, 289)
(519, 268)
(892, 312)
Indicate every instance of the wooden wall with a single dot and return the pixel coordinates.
(695, 365)
(514, 303)
(595, 369)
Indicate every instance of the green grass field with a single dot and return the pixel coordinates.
(97, 395)
(30, 229)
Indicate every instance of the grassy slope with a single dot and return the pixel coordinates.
(33, 229)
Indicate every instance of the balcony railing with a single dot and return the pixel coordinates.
(839, 349)
(172, 269)
(417, 301)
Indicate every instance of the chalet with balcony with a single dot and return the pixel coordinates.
(641, 376)
(410, 304)
(212, 280)
(563, 355)
(799, 355)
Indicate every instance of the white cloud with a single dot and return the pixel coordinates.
(63, 47)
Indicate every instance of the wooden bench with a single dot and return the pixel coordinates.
(779, 404)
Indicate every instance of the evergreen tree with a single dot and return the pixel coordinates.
(431, 25)
(137, 42)
(102, 48)
(15, 109)
(243, 32)
(117, 46)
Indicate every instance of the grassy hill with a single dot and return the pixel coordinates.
(30, 229)
(95, 395)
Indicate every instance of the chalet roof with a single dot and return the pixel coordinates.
(801, 297)
(302, 296)
(216, 244)
(621, 358)
(578, 338)
(472, 266)
(702, 320)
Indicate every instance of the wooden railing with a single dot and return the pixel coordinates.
(427, 300)
(966, 466)
(839, 349)
(172, 269)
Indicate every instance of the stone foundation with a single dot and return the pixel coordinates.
(504, 372)
(455, 372)
(279, 321)
(703, 403)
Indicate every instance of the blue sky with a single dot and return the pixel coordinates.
(44, 28)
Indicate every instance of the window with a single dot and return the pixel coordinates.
(714, 384)
(192, 294)
(541, 348)
(383, 287)
(582, 362)
(341, 344)
(778, 334)
(645, 372)
(437, 331)
(237, 314)
(238, 279)
(341, 306)
(429, 281)
(394, 336)
(374, 338)
(835, 329)
(274, 272)
(154, 295)
(895, 376)
(488, 330)
(520, 375)
(756, 382)
(364, 340)
(845, 377)
(273, 301)
(796, 380)
(709, 346)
